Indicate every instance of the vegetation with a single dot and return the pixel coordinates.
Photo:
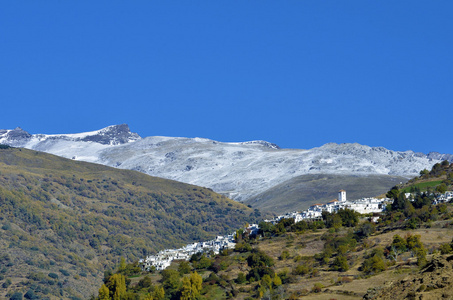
(290, 260)
(63, 222)
(411, 212)
(439, 179)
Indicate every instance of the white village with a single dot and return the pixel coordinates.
(164, 258)
(362, 206)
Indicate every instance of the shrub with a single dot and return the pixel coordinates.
(7, 283)
(184, 267)
(340, 264)
(317, 287)
(258, 259)
(30, 295)
(445, 248)
(241, 278)
(284, 255)
(16, 296)
(375, 262)
(302, 270)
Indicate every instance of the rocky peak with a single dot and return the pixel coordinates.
(439, 156)
(113, 135)
(262, 143)
(17, 134)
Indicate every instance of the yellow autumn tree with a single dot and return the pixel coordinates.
(191, 286)
(159, 293)
(122, 266)
(104, 293)
(117, 286)
(148, 297)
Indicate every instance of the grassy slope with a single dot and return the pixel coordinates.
(301, 192)
(76, 219)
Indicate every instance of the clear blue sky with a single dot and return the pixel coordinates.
(296, 73)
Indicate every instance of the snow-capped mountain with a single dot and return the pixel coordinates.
(239, 170)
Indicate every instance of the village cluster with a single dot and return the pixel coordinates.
(362, 206)
(163, 259)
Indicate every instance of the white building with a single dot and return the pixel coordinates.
(342, 196)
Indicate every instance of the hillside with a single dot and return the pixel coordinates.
(342, 257)
(438, 179)
(63, 222)
(297, 194)
(239, 170)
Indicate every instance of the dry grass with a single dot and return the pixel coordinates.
(430, 237)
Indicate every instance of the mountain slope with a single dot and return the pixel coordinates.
(299, 193)
(74, 219)
(238, 170)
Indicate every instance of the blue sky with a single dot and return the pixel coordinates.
(296, 73)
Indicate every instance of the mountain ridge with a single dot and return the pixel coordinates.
(240, 170)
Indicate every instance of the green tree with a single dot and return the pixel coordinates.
(418, 249)
(424, 172)
(302, 269)
(184, 267)
(170, 282)
(340, 263)
(365, 230)
(442, 188)
(393, 193)
(266, 281)
(400, 202)
(241, 278)
(349, 217)
(203, 263)
(375, 262)
(258, 259)
(145, 282)
(332, 219)
(399, 243)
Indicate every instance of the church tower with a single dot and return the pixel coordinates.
(342, 196)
